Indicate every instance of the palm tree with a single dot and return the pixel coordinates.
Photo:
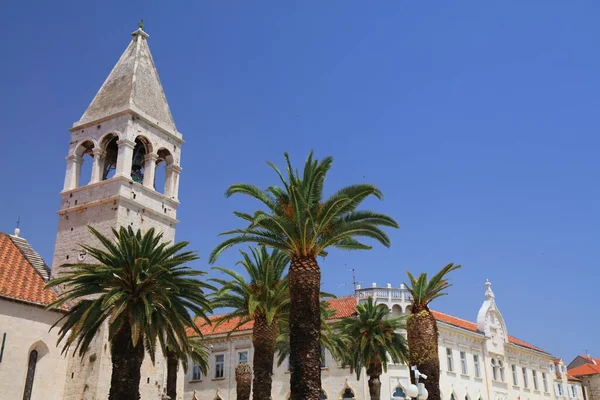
(199, 355)
(366, 341)
(328, 336)
(243, 381)
(264, 298)
(302, 223)
(422, 327)
(141, 289)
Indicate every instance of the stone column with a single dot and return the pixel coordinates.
(175, 186)
(150, 169)
(98, 164)
(73, 169)
(125, 158)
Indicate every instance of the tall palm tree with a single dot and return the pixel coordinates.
(263, 298)
(328, 336)
(243, 381)
(366, 341)
(302, 223)
(198, 353)
(141, 289)
(422, 327)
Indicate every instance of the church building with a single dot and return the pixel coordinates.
(128, 141)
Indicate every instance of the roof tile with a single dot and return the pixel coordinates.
(585, 369)
(19, 278)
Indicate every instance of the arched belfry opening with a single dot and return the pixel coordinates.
(164, 177)
(111, 151)
(140, 151)
(85, 155)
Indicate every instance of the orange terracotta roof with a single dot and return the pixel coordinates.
(346, 307)
(572, 378)
(585, 369)
(342, 306)
(471, 326)
(19, 278)
(591, 359)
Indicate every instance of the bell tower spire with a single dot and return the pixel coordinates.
(126, 135)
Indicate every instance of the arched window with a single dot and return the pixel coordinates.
(501, 369)
(163, 178)
(83, 175)
(138, 161)
(452, 397)
(398, 392)
(111, 149)
(396, 310)
(323, 395)
(348, 394)
(33, 357)
(494, 369)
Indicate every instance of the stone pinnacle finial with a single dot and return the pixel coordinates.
(17, 228)
(141, 24)
(488, 291)
(140, 30)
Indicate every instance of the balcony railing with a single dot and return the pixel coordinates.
(383, 293)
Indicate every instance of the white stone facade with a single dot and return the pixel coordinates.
(476, 348)
(24, 328)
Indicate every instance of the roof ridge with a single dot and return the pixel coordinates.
(32, 256)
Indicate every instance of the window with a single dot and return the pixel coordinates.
(535, 382)
(323, 395)
(463, 363)
(501, 368)
(573, 390)
(33, 356)
(452, 397)
(544, 381)
(525, 380)
(323, 359)
(476, 365)
(219, 366)
(494, 369)
(243, 357)
(559, 389)
(348, 394)
(449, 360)
(196, 373)
(551, 368)
(514, 374)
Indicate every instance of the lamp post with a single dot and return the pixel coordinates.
(417, 391)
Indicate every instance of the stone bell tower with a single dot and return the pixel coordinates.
(129, 137)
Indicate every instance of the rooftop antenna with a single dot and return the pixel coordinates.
(354, 281)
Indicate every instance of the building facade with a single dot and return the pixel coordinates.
(587, 370)
(479, 360)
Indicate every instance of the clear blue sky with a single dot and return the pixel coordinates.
(478, 120)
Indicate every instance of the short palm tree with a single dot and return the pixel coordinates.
(367, 340)
(263, 298)
(139, 286)
(243, 381)
(422, 327)
(302, 223)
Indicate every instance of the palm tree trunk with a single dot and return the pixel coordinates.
(374, 372)
(264, 337)
(126, 366)
(423, 346)
(243, 380)
(305, 329)
(172, 367)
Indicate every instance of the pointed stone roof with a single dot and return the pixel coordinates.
(132, 85)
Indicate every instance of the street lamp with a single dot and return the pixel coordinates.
(417, 391)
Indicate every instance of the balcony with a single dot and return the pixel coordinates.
(389, 293)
